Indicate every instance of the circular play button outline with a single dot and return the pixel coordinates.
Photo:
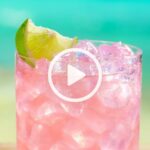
(69, 99)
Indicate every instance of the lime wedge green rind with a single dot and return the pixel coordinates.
(20, 43)
(20, 39)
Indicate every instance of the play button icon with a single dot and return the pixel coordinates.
(74, 75)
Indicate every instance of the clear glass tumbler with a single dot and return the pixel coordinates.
(107, 121)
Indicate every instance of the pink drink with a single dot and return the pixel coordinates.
(107, 121)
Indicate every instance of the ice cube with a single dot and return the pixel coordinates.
(113, 57)
(24, 126)
(132, 116)
(80, 134)
(117, 139)
(42, 66)
(87, 45)
(41, 138)
(31, 85)
(46, 110)
(95, 121)
(73, 109)
(22, 67)
(115, 94)
(44, 105)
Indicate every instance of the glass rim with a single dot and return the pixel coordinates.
(137, 53)
(138, 50)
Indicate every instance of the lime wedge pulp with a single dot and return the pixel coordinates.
(33, 42)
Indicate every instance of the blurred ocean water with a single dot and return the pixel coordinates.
(114, 20)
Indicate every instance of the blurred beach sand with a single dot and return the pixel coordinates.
(7, 107)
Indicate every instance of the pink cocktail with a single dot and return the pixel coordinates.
(107, 121)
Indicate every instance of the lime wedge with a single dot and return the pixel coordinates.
(33, 42)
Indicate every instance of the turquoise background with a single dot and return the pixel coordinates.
(114, 20)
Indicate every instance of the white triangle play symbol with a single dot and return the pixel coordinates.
(73, 75)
